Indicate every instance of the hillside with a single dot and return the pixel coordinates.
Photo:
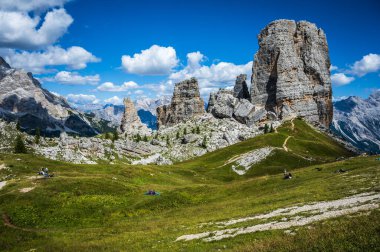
(103, 207)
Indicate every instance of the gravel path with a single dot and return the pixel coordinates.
(316, 212)
(245, 161)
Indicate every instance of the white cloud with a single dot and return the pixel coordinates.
(114, 100)
(139, 92)
(30, 5)
(110, 87)
(21, 31)
(368, 64)
(74, 78)
(210, 78)
(82, 99)
(74, 57)
(156, 60)
(339, 98)
(333, 68)
(340, 79)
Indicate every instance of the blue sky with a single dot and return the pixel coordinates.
(76, 47)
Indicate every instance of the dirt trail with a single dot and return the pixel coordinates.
(285, 142)
(7, 222)
(295, 216)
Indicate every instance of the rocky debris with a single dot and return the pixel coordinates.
(154, 159)
(291, 75)
(130, 122)
(357, 121)
(241, 87)
(23, 99)
(244, 162)
(296, 216)
(185, 104)
(190, 138)
(223, 104)
(213, 134)
(89, 150)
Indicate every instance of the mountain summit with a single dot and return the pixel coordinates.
(22, 99)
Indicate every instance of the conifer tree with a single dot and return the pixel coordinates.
(19, 145)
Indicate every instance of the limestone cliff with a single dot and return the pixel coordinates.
(185, 104)
(291, 74)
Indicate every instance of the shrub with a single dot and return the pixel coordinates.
(37, 136)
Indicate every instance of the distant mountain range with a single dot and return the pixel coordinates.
(23, 100)
(357, 121)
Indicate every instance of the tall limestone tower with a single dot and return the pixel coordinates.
(290, 74)
(130, 122)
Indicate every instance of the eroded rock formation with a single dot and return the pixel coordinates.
(130, 122)
(186, 103)
(241, 87)
(291, 74)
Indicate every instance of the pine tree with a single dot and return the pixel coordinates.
(266, 128)
(167, 141)
(138, 138)
(115, 135)
(145, 139)
(18, 127)
(177, 136)
(19, 145)
(184, 131)
(37, 136)
(198, 130)
(193, 130)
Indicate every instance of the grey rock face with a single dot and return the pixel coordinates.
(23, 99)
(186, 103)
(131, 123)
(223, 104)
(358, 121)
(241, 87)
(291, 75)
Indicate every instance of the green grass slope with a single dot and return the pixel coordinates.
(103, 207)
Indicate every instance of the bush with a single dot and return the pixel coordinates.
(184, 131)
(177, 136)
(19, 145)
(115, 135)
(266, 128)
(198, 130)
(37, 136)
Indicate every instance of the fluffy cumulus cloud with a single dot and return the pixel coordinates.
(340, 79)
(210, 78)
(74, 57)
(30, 5)
(82, 99)
(114, 100)
(21, 31)
(368, 64)
(110, 87)
(74, 78)
(156, 60)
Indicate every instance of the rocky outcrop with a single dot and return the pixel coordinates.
(223, 104)
(291, 74)
(357, 121)
(130, 122)
(22, 99)
(186, 103)
(241, 87)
